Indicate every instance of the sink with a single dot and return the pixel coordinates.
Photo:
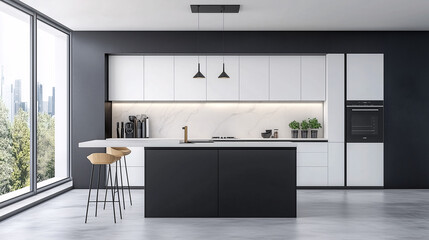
(197, 141)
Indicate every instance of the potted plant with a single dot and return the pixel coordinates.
(304, 129)
(294, 125)
(314, 125)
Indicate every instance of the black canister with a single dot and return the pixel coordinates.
(122, 130)
(139, 129)
(118, 135)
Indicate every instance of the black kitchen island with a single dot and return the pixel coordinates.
(218, 181)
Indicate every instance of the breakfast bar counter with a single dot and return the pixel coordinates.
(215, 179)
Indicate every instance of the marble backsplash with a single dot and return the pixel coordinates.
(241, 120)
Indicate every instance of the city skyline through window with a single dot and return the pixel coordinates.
(15, 81)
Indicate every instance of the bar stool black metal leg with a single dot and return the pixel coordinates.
(122, 183)
(89, 193)
(128, 181)
(113, 195)
(107, 185)
(117, 189)
(98, 187)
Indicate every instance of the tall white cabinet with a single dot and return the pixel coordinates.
(365, 81)
(335, 117)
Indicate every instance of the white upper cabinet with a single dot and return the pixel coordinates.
(313, 78)
(365, 77)
(285, 78)
(159, 78)
(186, 87)
(254, 78)
(222, 89)
(125, 78)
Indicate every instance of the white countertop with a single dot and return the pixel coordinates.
(276, 139)
(164, 142)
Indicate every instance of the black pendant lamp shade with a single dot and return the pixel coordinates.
(223, 74)
(199, 74)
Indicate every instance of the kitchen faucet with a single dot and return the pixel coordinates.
(185, 137)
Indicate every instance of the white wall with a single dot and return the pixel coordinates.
(242, 120)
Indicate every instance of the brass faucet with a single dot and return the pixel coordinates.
(185, 137)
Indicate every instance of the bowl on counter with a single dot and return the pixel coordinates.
(266, 134)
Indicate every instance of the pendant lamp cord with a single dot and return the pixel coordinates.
(198, 36)
(223, 34)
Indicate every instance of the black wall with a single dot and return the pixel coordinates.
(406, 84)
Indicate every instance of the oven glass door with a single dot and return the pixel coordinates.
(364, 124)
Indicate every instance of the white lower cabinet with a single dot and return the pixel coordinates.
(320, 147)
(312, 159)
(135, 164)
(135, 176)
(136, 157)
(365, 164)
(312, 176)
(336, 164)
(312, 164)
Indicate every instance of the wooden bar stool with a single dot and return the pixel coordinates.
(121, 152)
(103, 159)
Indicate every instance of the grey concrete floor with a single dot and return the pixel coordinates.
(322, 214)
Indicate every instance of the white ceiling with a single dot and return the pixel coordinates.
(260, 15)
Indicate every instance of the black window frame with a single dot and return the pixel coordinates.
(34, 17)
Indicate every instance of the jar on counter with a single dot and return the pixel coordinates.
(276, 133)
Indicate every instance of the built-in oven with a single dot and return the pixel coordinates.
(364, 121)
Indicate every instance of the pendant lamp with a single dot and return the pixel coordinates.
(198, 74)
(223, 74)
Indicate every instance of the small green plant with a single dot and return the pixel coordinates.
(314, 123)
(294, 125)
(305, 125)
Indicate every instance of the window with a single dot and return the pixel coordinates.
(52, 104)
(24, 100)
(15, 107)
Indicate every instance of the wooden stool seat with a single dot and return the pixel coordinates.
(124, 150)
(115, 152)
(102, 158)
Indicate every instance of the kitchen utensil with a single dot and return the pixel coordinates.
(129, 130)
(117, 130)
